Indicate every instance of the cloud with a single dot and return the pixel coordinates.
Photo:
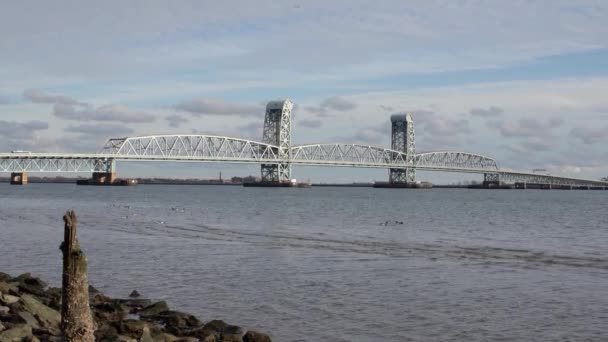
(486, 113)
(373, 135)
(386, 108)
(112, 112)
(21, 135)
(4, 100)
(176, 120)
(106, 130)
(39, 96)
(590, 135)
(536, 145)
(14, 129)
(205, 106)
(67, 108)
(310, 123)
(526, 127)
(335, 103)
(251, 130)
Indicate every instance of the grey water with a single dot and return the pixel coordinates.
(335, 264)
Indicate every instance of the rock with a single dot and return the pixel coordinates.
(218, 330)
(106, 332)
(53, 294)
(254, 336)
(134, 304)
(134, 294)
(4, 309)
(93, 291)
(32, 285)
(31, 339)
(4, 277)
(154, 309)
(223, 327)
(164, 337)
(8, 299)
(29, 319)
(176, 323)
(9, 288)
(2, 328)
(46, 316)
(146, 336)
(109, 311)
(99, 299)
(17, 333)
(132, 328)
(40, 332)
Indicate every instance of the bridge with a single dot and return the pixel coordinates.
(276, 155)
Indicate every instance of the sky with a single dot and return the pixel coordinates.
(523, 82)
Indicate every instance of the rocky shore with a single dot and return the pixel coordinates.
(31, 311)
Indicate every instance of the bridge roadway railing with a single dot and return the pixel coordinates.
(532, 178)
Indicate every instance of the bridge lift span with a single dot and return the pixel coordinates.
(276, 154)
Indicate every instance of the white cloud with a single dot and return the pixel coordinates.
(204, 106)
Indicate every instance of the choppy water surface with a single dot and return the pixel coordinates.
(335, 264)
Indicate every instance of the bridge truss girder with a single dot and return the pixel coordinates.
(55, 164)
(191, 148)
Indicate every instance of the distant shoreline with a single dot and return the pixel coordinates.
(163, 181)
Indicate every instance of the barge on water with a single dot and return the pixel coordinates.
(282, 184)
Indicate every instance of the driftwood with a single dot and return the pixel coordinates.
(76, 320)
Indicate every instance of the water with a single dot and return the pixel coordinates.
(335, 264)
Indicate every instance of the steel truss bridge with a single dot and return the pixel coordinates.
(276, 155)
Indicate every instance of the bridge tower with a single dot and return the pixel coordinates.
(277, 131)
(403, 139)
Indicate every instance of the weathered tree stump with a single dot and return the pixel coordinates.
(76, 320)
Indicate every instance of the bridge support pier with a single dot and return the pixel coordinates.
(104, 177)
(19, 178)
(492, 180)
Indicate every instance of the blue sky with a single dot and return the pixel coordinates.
(524, 82)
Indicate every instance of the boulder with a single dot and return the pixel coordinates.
(106, 332)
(146, 336)
(46, 316)
(4, 309)
(93, 291)
(9, 299)
(109, 311)
(254, 336)
(48, 332)
(17, 333)
(154, 309)
(31, 339)
(53, 295)
(4, 277)
(219, 331)
(164, 337)
(176, 323)
(223, 327)
(29, 284)
(2, 328)
(134, 294)
(132, 328)
(9, 288)
(135, 305)
(29, 319)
